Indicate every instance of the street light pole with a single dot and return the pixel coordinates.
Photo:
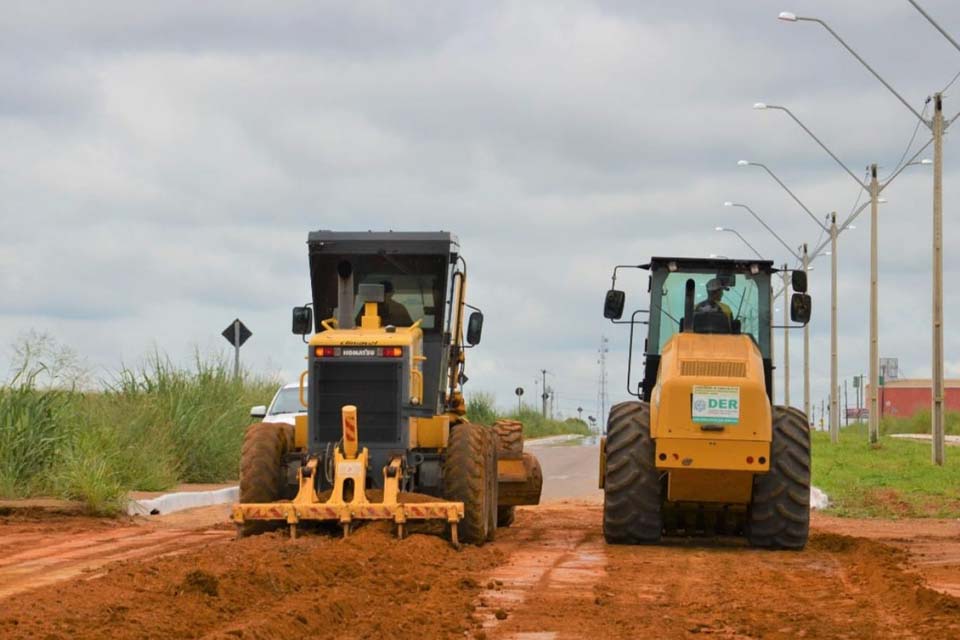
(874, 409)
(806, 347)
(937, 417)
(834, 406)
(786, 337)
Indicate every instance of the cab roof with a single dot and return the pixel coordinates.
(376, 242)
(709, 264)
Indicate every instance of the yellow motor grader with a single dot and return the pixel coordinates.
(702, 449)
(385, 436)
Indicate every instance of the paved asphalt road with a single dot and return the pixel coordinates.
(570, 467)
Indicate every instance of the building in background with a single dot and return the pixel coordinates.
(905, 397)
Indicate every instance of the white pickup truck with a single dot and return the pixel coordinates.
(284, 407)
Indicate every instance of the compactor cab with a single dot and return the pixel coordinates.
(386, 434)
(702, 449)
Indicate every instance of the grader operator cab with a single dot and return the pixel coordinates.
(702, 450)
(386, 434)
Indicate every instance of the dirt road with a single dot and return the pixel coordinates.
(548, 576)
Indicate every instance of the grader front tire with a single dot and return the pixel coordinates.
(262, 474)
(631, 493)
(466, 479)
(780, 511)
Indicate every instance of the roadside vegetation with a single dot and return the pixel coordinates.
(482, 409)
(891, 479)
(147, 428)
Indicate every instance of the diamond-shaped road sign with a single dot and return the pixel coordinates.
(231, 333)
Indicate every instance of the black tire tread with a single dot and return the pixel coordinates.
(509, 438)
(780, 510)
(262, 476)
(631, 495)
(466, 479)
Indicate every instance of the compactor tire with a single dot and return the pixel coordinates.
(262, 473)
(631, 494)
(505, 516)
(509, 438)
(780, 510)
(466, 479)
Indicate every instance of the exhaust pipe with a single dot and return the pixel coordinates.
(346, 316)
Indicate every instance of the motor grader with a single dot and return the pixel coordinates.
(386, 435)
(703, 450)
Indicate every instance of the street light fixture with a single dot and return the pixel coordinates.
(749, 163)
(744, 240)
(765, 226)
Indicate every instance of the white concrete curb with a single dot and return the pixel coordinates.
(170, 502)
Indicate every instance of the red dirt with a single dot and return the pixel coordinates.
(550, 576)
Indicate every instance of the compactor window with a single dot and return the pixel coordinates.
(740, 294)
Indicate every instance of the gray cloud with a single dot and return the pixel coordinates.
(162, 165)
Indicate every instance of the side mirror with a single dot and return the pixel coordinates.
(800, 306)
(613, 304)
(302, 320)
(800, 281)
(474, 328)
(259, 411)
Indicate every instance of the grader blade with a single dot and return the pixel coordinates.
(348, 501)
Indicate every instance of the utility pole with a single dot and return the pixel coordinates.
(806, 346)
(543, 389)
(846, 405)
(602, 361)
(936, 414)
(834, 405)
(874, 408)
(786, 336)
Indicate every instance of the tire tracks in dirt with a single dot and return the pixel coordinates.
(44, 559)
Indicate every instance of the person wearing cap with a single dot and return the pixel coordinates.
(715, 289)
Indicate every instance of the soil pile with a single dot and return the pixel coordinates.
(268, 586)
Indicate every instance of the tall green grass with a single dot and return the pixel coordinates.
(35, 426)
(481, 408)
(148, 429)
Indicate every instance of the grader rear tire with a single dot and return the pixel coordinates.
(509, 438)
(780, 511)
(466, 479)
(262, 474)
(505, 516)
(631, 493)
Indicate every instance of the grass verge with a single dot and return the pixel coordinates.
(481, 409)
(152, 428)
(892, 479)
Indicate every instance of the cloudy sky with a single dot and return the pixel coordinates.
(162, 163)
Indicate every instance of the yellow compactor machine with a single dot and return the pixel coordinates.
(386, 436)
(703, 450)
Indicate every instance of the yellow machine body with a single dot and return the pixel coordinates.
(348, 499)
(711, 457)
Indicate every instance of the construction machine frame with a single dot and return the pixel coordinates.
(386, 435)
(703, 450)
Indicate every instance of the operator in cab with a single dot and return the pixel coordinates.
(715, 289)
(391, 311)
